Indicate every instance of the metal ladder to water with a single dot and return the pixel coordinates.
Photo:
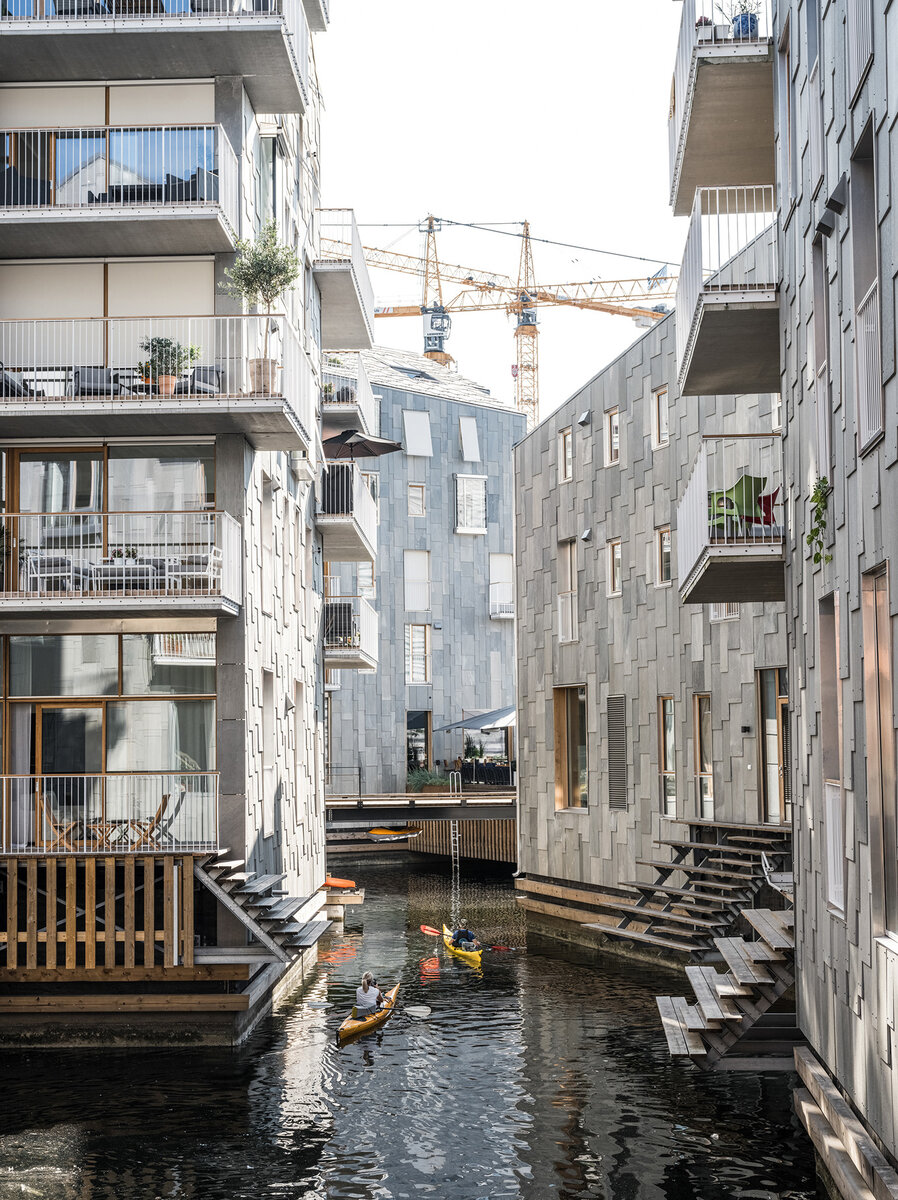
(454, 790)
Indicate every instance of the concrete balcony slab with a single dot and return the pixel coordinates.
(113, 231)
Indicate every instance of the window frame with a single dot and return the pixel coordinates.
(469, 442)
(667, 769)
(612, 545)
(566, 454)
(612, 437)
(410, 418)
(660, 533)
(418, 556)
(703, 797)
(421, 488)
(562, 735)
(659, 439)
(461, 484)
(567, 596)
(410, 653)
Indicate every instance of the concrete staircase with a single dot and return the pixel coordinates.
(714, 873)
(269, 914)
(733, 1014)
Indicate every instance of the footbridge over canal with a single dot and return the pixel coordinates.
(481, 804)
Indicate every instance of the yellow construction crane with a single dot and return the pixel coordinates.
(485, 291)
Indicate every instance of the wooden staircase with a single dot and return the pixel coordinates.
(262, 906)
(714, 873)
(733, 1010)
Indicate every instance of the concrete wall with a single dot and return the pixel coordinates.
(640, 644)
(472, 655)
(847, 964)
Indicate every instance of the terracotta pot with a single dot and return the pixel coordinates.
(166, 384)
(263, 376)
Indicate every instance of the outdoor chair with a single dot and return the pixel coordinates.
(196, 572)
(202, 381)
(10, 386)
(154, 831)
(95, 381)
(55, 573)
(763, 522)
(730, 510)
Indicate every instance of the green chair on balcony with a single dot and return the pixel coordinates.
(730, 511)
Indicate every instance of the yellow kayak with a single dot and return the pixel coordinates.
(470, 956)
(352, 1027)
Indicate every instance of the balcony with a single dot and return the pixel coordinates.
(347, 515)
(115, 815)
(117, 191)
(731, 522)
(265, 42)
(727, 302)
(181, 562)
(720, 125)
(145, 376)
(347, 298)
(350, 634)
(501, 601)
(317, 14)
(347, 401)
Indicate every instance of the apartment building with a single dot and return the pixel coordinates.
(442, 582)
(162, 560)
(795, 213)
(646, 726)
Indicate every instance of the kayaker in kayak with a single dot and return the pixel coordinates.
(464, 939)
(368, 997)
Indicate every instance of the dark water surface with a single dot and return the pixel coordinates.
(535, 1078)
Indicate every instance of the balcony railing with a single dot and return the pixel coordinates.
(166, 167)
(160, 555)
(350, 624)
(501, 600)
(343, 495)
(703, 26)
(348, 392)
(176, 11)
(733, 502)
(730, 256)
(152, 813)
(183, 649)
(135, 361)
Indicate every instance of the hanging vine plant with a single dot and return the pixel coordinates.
(817, 532)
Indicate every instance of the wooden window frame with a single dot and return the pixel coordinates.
(698, 697)
(667, 770)
(612, 437)
(562, 736)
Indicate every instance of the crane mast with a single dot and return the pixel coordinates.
(526, 368)
(437, 322)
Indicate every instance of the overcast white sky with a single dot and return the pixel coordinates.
(497, 111)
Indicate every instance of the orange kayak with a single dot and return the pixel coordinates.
(352, 1027)
(332, 881)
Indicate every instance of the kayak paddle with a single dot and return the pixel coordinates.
(429, 929)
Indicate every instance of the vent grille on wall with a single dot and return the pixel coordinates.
(616, 718)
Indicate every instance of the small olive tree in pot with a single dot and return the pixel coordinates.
(263, 272)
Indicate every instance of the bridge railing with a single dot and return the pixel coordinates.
(479, 799)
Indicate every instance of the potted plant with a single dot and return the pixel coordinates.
(262, 272)
(166, 359)
(423, 780)
(743, 18)
(704, 29)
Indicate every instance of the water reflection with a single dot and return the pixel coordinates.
(537, 1077)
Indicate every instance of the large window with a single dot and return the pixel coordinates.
(865, 263)
(704, 761)
(612, 437)
(417, 500)
(570, 747)
(613, 553)
(501, 585)
(70, 665)
(417, 654)
(417, 580)
(660, 418)
(567, 591)
(470, 514)
(417, 433)
(667, 758)
(662, 565)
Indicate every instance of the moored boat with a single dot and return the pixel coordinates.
(470, 956)
(353, 1027)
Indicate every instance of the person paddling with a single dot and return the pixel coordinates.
(463, 938)
(368, 997)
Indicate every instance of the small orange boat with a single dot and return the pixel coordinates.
(333, 882)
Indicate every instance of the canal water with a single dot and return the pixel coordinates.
(535, 1078)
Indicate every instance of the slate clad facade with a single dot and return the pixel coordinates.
(469, 665)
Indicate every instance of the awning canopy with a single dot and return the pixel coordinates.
(497, 718)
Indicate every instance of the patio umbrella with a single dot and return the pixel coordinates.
(351, 443)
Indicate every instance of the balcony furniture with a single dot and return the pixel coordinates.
(10, 386)
(56, 832)
(119, 575)
(95, 381)
(340, 625)
(133, 193)
(55, 573)
(730, 511)
(154, 831)
(202, 381)
(197, 572)
(763, 520)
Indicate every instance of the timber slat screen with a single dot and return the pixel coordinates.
(56, 914)
(495, 841)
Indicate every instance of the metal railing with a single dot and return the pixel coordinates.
(166, 166)
(345, 387)
(730, 248)
(183, 649)
(703, 26)
(417, 595)
(207, 359)
(167, 812)
(734, 497)
(186, 12)
(868, 355)
(343, 493)
(121, 554)
(342, 781)
(567, 616)
(501, 600)
(477, 798)
(341, 244)
(350, 623)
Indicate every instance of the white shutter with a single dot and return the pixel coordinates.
(470, 443)
(417, 580)
(417, 433)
